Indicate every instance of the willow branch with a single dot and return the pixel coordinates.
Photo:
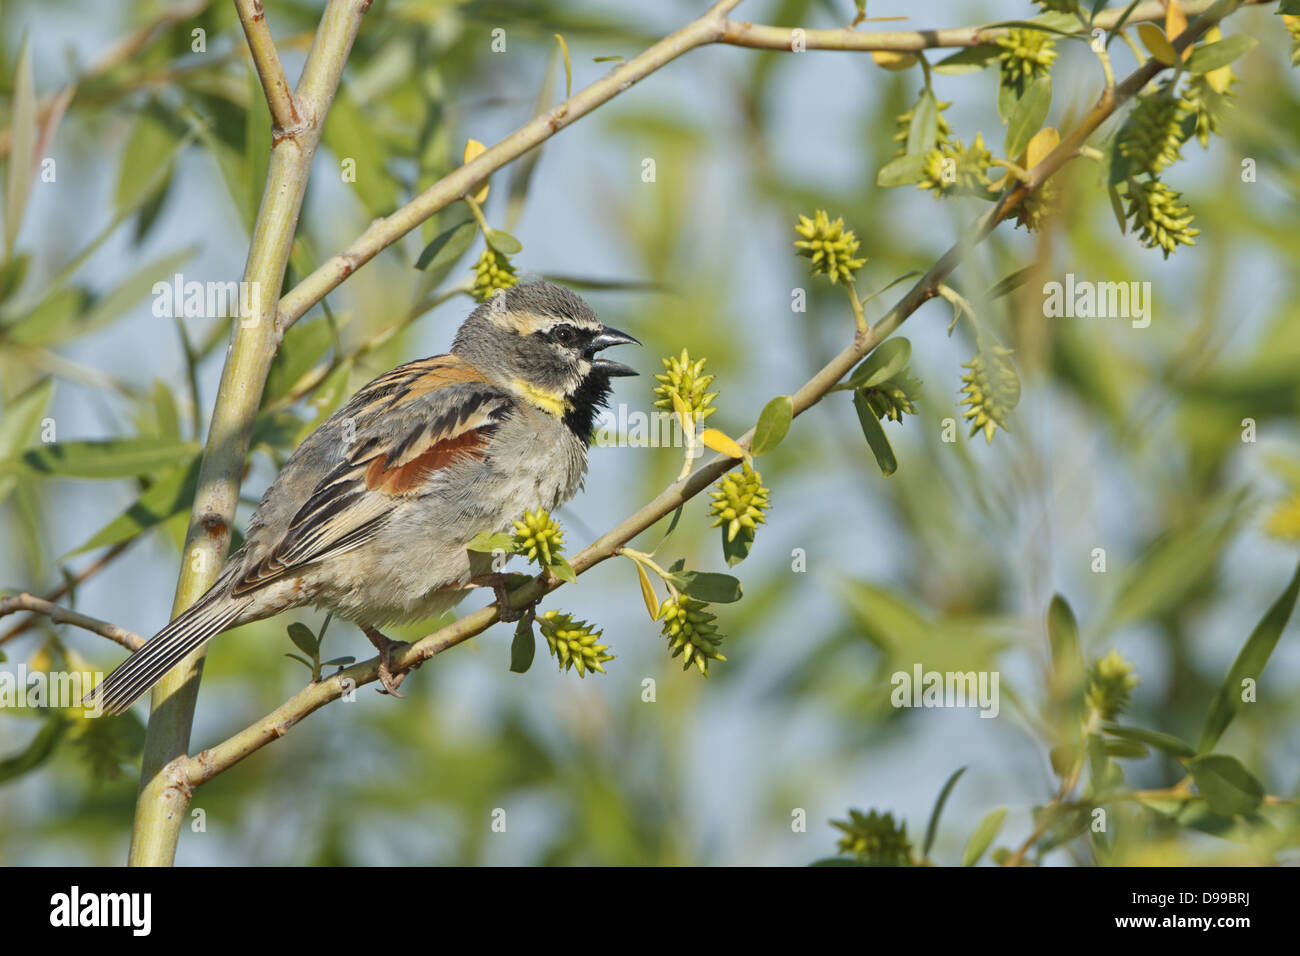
(161, 804)
(65, 588)
(62, 615)
(266, 60)
(761, 37)
(209, 763)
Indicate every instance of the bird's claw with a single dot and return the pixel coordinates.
(387, 648)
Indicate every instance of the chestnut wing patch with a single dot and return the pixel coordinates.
(402, 478)
(451, 412)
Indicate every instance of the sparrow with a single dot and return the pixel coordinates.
(371, 514)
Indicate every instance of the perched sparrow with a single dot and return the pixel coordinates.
(371, 515)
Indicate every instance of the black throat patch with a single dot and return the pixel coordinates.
(590, 396)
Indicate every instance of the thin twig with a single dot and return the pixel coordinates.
(266, 60)
(62, 615)
(29, 622)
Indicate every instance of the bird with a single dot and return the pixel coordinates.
(371, 515)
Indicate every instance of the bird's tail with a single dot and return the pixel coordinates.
(197, 624)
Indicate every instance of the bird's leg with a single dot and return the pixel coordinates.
(499, 582)
(386, 648)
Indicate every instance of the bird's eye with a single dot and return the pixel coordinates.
(564, 334)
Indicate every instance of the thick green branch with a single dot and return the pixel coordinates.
(162, 802)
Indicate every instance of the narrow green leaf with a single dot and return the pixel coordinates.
(304, 662)
(970, 60)
(903, 171)
(20, 421)
(875, 434)
(1221, 53)
(983, 837)
(923, 132)
(1166, 743)
(136, 286)
(885, 361)
(524, 167)
(1249, 664)
(1028, 116)
(167, 419)
(1010, 282)
(1067, 659)
(487, 542)
(171, 495)
(1127, 749)
(20, 417)
(523, 647)
(932, 828)
(503, 242)
(773, 424)
(1175, 565)
(22, 146)
(1007, 100)
(1123, 19)
(1117, 207)
(352, 137)
(53, 319)
(303, 348)
(709, 586)
(562, 569)
(736, 549)
(110, 458)
(448, 246)
(12, 273)
(1063, 24)
(1227, 786)
(146, 160)
(1098, 762)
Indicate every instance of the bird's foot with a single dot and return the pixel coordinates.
(501, 583)
(387, 648)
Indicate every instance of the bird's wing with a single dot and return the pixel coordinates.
(390, 441)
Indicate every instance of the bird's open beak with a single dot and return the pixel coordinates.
(604, 340)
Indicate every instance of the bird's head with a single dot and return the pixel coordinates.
(543, 343)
